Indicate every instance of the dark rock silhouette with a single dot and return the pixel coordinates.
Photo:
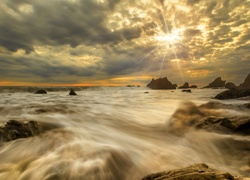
(161, 83)
(217, 83)
(186, 90)
(193, 86)
(41, 91)
(246, 83)
(233, 93)
(185, 86)
(16, 129)
(194, 172)
(72, 92)
(230, 85)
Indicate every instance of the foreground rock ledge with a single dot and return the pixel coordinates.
(194, 172)
(16, 129)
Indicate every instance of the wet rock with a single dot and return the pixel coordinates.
(194, 172)
(246, 83)
(161, 83)
(217, 83)
(193, 86)
(72, 92)
(233, 93)
(186, 90)
(16, 129)
(41, 91)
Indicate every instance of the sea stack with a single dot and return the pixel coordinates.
(161, 83)
(185, 86)
(72, 92)
(217, 83)
(246, 83)
(41, 91)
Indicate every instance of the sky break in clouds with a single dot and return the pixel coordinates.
(114, 42)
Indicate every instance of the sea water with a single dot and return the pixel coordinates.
(113, 133)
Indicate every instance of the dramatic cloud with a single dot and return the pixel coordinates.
(101, 41)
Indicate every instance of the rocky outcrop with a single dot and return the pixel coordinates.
(185, 86)
(41, 91)
(193, 86)
(230, 85)
(246, 83)
(194, 172)
(217, 83)
(72, 92)
(233, 93)
(161, 83)
(16, 129)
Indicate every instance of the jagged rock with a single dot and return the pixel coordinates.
(161, 83)
(16, 129)
(185, 86)
(72, 92)
(217, 83)
(41, 91)
(246, 83)
(193, 86)
(233, 93)
(194, 172)
(230, 85)
(186, 90)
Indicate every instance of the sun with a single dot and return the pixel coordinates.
(173, 37)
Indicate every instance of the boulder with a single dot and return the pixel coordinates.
(185, 86)
(161, 83)
(217, 83)
(246, 83)
(230, 85)
(194, 172)
(41, 91)
(233, 93)
(72, 92)
(16, 129)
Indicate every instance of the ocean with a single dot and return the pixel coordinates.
(116, 133)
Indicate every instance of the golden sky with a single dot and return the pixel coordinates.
(120, 42)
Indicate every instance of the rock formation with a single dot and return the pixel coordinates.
(193, 86)
(185, 86)
(161, 83)
(16, 129)
(230, 85)
(72, 92)
(217, 83)
(41, 91)
(186, 90)
(233, 93)
(194, 172)
(246, 83)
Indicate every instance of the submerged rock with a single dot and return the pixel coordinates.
(41, 91)
(233, 93)
(186, 90)
(193, 86)
(194, 172)
(16, 129)
(217, 83)
(72, 92)
(161, 83)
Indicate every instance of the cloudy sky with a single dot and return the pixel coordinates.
(120, 42)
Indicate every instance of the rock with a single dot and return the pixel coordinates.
(217, 83)
(161, 83)
(194, 172)
(146, 92)
(175, 85)
(230, 85)
(72, 92)
(185, 86)
(16, 129)
(246, 83)
(41, 91)
(186, 90)
(193, 86)
(233, 93)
